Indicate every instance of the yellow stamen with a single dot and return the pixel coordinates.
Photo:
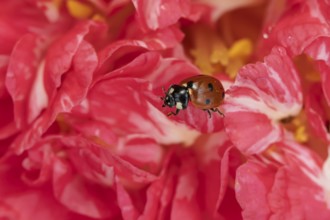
(241, 48)
(79, 10)
(219, 54)
(203, 39)
(301, 134)
(298, 126)
(201, 61)
(98, 17)
(238, 55)
(212, 55)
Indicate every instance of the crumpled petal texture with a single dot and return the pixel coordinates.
(83, 134)
(262, 93)
(286, 191)
(162, 13)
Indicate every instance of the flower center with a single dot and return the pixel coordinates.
(228, 45)
(297, 126)
(301, 125)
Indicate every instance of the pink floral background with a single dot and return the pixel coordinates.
(83, 134)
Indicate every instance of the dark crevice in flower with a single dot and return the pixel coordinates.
(287, 120)
(313, 98)
(297, 126)
(306, 66)
(327, 125)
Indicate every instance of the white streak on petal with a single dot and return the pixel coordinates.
(66, 102)
(262, 143)
(211, 146)
(274, 110)
(169, 132)
(325, 180)
(316, 12)
(186, 187)
(50, 9)
(153, 9)
(38, 98)
(323, 53)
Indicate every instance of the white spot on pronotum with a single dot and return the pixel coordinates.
(171, 91)
(178, 105)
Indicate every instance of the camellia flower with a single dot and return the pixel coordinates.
(84, 135)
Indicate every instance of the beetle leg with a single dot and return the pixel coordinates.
(208, 111)
(173, 113)
(217, 110)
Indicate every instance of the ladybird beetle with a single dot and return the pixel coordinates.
(204, 92)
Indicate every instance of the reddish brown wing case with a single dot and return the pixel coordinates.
(206, 91)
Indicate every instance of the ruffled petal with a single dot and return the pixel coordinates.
(22, 77)
(160, 14)
(185, 204)
(254, 179)
(19, 201)
(81, 196)
(301, 24)
(73, 88)
(262, 94)
(319, 51)
(290, 185)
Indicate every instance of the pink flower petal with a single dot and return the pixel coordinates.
(18, 19)
(295, 195)
(319, 51)
(251, 132)
(185, 204)
(128, 211)
(224, 177)
(7, 123)
(122, 52)
(4, 61)
(253, 182)
(262, 94)
(298, 27)
(21, 202)
(315, 113)
(161, 13)
(159, 194)
(99, 158)
(60, 56)
(71, 190)
(73, 88)
(290, 186)
(21, 76)
(212, 151)
(159, 197)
